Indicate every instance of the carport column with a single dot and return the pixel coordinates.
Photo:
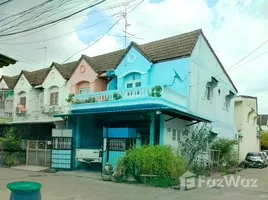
(162, 129)
(152, 118)
(77, 138)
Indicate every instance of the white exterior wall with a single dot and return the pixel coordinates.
(55, 82)
(203, 66)
(178, 125)
(31, 100)
(246, 124)
(3, 85)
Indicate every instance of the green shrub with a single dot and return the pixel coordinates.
(13, 152)
(228, 154)
(152, 160)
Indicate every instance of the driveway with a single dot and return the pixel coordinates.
(67, 187)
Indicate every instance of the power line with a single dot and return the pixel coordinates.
(56, 37)
(54, 21)
(248, 54)
(7, 1)
(103, 34)
(71, 18)
(22, 57)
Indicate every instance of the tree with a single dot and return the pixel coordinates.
(196, 140)
(264, 139)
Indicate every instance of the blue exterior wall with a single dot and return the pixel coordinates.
(163, 74)
(132, 62)
(112, 85)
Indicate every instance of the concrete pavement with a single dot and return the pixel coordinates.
(67, 187)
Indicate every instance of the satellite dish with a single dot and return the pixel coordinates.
(177, 75)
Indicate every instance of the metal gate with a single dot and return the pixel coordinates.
(38, 152)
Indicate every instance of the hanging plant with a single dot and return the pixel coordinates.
(90, 100)
(156, 91)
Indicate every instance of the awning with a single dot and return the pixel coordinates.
(136, 108)
(5, 60)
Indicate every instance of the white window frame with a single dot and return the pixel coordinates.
(174, 135)
(133, 83)
(84, 89)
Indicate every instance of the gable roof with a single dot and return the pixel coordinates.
(10, 81)
(66, 70)
(34, 77)
(169, 48)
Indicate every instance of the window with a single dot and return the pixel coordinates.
(83, 90)
(130, 85)
(174, 135)
(137, 84)
(23, 101)
(208, 93)
(178, 135)
(168, 129)
(54, 98)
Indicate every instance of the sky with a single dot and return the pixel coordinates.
(234, 28)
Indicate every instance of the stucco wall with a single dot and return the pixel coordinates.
(246, 124)
(204, 66)
(163, 74)
(176, 124)
(31, 100)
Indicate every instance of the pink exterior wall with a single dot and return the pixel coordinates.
(100, 84)
(84, 73)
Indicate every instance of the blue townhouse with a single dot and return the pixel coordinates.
(155, 90)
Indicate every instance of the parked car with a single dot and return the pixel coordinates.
(255, 159)
(266, 151)
(264, 155)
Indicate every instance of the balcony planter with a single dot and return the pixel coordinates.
(156, 91)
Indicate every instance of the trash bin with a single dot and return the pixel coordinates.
(25, 190)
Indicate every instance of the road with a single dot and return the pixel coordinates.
(67, 187)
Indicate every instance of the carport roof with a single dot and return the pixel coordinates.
(138, 108)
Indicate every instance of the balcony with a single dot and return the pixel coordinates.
(6, 113)
(134, 98)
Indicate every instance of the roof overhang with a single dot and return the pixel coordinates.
(5, 61)
(137, 108)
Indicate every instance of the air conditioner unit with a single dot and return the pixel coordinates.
(54, 109)
(45, 109)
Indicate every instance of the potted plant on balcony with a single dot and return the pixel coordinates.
(70, 98)
(116, 96)
(156, 91)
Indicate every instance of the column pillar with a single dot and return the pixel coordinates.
(162, 129)
(152, 123)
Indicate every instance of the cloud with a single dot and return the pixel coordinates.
(233, 28)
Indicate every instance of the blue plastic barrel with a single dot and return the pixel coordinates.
(25, 190)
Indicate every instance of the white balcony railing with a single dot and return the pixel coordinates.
(133, 93)
(6, 112)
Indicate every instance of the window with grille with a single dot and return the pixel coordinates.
(83, 90)
(54, 98)
(116, 144)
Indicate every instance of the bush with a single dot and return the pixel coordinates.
(152, 160)
(13, 152)
(228, 154)
(200, 170)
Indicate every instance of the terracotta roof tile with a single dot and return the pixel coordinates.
(36, 77)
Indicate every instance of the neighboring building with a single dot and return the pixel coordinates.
(246, 115)
(263, 122)
(155, 91)
(6, 97)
